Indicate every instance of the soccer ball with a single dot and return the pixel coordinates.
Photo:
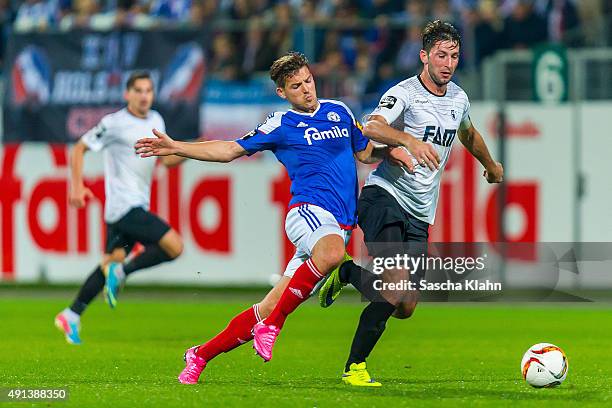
(544, 365)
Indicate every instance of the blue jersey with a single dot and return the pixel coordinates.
(317, 150)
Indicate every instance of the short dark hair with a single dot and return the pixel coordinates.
(136, 75)
(438, 30)
(286, 66)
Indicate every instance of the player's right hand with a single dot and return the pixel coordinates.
(162, 145)
(425, 154)
(79, 195)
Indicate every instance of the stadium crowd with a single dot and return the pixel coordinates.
(376, 41)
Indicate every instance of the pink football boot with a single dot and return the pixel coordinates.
(264, 337)
(194, 365)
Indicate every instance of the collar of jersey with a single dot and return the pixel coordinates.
(427, 89)
(308, 114)
(137, 117)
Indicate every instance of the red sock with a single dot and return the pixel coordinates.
(237, 332)
(298, 290)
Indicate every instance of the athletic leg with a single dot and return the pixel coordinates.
(236, 333)
(316, 233)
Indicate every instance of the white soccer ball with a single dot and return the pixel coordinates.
(544, 365)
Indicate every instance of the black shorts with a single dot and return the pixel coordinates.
(377, 208)
(388, 229)
(138, 225)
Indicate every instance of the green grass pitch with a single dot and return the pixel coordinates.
(445, 355)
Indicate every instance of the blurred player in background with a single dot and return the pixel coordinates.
(316, 140)
(127, 182)
(422, 113)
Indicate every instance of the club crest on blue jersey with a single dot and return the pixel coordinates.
(333, 116)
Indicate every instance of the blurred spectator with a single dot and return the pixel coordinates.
(126, 14)
(327, 8)
(241, 10)
(462, 6)
(346, 13)
(562, 18)
(384, 7)
(225, 60)
(523, 28)
(81, 15)
(178, 11)
(384, 79)
(362, 74)
(408, 60)
(39, 14)
(203, 12)
(332, 67)
(331, 43)
(331, 73)
(308, 12)
(259, 53)
(132, 14)
(413, 12)
(281, 22)
(593, 15)
(487, 30)
(281, 14)
(307, 36)
(364, 62)
(332, 64)
(440, 10)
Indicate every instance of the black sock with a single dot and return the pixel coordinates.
(371, 326)
(362, 280)
(349, 272)
(152, 255)
(90, 289)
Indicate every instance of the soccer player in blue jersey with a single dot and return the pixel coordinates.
(316, 140)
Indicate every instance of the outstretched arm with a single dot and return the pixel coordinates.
(212, 151)
(473, 141)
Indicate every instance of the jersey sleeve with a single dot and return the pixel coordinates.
(392, 104)
(98, 137)
(358, 140)
(266, 136)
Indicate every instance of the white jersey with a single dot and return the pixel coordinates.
(127, 176)
(412, 108)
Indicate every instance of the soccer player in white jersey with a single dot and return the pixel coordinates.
(317, 141)
(127, 182)
(423, 113)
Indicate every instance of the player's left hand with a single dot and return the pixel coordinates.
(399, 156)
(494, 174)
(162, 145)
